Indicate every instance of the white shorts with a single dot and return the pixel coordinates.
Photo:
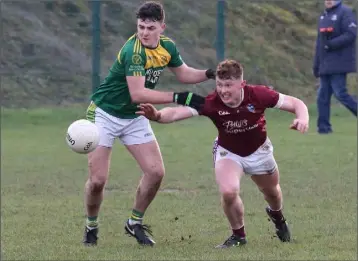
(260, 162)
(128, 131)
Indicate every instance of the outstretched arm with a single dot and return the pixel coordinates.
(298, 107)
(167, 114)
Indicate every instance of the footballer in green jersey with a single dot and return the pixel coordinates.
(131, 81)
(134, 59)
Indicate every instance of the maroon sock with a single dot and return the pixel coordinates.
(276, 214)
(239, 232)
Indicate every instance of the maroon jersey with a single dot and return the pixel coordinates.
(242, 130)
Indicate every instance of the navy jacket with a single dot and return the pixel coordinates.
(336, 41)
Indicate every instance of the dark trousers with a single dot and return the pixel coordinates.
(332, 84)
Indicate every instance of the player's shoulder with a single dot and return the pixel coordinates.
(167, 42)
(255, 92)
(257, 88)
(131, 49)
(132, 45)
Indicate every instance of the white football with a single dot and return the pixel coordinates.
(82, 136)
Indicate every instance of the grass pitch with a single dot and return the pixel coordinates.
(42, 194)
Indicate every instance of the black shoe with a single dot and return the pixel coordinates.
(139, 232)
(282, 230)
(90, 236)
(233, 241)
(324, 131)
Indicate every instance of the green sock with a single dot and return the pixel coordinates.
(136, 216)
(92, 222)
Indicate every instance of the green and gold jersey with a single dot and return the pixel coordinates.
(134, 59)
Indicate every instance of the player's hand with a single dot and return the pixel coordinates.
(299, 125)
(210, 74)
(149, 111)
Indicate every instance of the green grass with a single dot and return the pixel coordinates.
(42, 194)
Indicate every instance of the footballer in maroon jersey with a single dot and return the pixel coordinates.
(242, 129)
(242, 146)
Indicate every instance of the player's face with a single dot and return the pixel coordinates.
(149, 32)
(229, 91)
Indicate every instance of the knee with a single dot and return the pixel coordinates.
(322, 96)
(271, 192)
(96, 183)
(321, 99)
(156, 173)
(98, 174)
(341, 95)
(229, 194)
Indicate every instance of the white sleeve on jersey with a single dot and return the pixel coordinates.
(280, 101)
(193, 111)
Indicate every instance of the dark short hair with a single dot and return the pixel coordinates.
(151, 10)
(229, 69)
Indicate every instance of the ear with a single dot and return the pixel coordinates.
(163, 26)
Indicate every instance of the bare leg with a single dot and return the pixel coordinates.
(269, 186)
(98, 164)
(150, 161)
(228, 175)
